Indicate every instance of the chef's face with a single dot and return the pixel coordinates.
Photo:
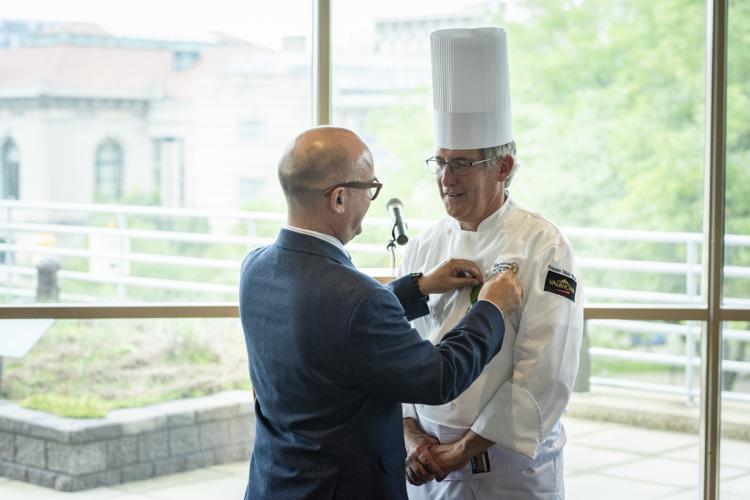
(472, 197)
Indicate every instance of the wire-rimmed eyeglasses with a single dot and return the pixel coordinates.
(373, 187)
(457, 167)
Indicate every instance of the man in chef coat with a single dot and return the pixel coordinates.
(502, 438)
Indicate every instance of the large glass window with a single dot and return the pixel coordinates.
(607, 118)
(735, 447)
(737, 225)
(633, 419)
(608, 115)
(146, 138)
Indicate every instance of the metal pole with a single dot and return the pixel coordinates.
(321, 91)
(691, 283)
(123, 244)
(693, 293)
(716, 104)
(583, 378)
(9, 257)
(689, 368)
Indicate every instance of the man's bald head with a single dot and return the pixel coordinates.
(319, 158)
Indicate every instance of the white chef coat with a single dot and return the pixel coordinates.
(520, 396)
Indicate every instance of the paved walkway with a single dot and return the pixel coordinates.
(602, 460)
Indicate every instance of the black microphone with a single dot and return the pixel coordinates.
(396, 209)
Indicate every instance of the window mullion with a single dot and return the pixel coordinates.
(715, 165)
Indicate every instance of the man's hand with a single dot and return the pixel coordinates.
(421, 467)
(453, 456)
(428, 459)
(504, 291)
(451, 274)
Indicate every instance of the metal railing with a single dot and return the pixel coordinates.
(103, 243)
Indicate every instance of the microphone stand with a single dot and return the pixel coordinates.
(391, 247)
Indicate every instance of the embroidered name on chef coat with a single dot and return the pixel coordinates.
(505, 265)
(560, 282)
(497, 268)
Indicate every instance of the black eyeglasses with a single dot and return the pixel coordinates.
(458, 167)
(373, 187)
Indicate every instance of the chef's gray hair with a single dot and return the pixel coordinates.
(500, 152)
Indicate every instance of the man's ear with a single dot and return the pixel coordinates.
(337, 200)
(505, 167)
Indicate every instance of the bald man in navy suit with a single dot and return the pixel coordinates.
(332, 354)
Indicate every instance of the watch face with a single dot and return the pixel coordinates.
(415, 281)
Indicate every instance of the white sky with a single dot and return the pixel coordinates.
(263, 22)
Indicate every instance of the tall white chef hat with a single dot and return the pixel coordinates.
(470, 88)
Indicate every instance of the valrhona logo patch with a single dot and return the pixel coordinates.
(561, 283)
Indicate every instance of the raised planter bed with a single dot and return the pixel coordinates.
(128, 445)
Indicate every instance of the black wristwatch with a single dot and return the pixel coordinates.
(415, 281)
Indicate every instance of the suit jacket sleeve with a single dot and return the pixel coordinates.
(409, 296)
(525, 408)
(390, 358)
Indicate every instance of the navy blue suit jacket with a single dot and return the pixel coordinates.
(331, 356)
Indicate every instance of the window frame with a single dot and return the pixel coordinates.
(712, 313)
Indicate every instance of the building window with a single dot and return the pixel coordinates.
(10, 167)
(108, 171)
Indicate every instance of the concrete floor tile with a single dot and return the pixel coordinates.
(20, 490)
(636, 440)
(688, 453)
(599, 486)
(736, 486)
(602, 460)
(227, 487)
(689, 494)
(575, 427)
(659, 470)
(667, 471)
(579, 458)
(239, 468)
(158, 483)
(735, 453)
(132, 496)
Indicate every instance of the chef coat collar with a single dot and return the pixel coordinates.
(491, 221)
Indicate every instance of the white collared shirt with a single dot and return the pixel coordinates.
(323, 236)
